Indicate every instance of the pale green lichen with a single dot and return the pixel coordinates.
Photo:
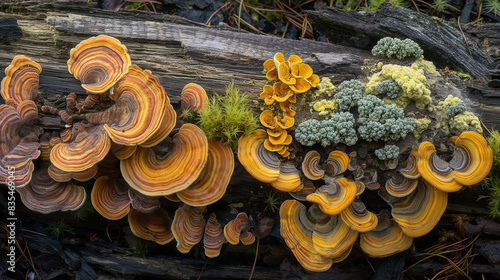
(325, 86)
(460, 121)
(325, 107)
(412, 82)
(425, 65)
(397, 48)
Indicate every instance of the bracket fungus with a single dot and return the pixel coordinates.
(155, 226)
(334, 197)
(400, 186)
(213, 239)
(60, 175)
(288, 180)
(386, 239)
(139, 110)
(357, 217)
(311, 167)
(99, 62)
(212, 182)
(45, 195)
(188, 227)
(110, 198)
(143, 203)
(237, 230)
(154, 176)
(89, 147)
(194, 97)
(21, 80)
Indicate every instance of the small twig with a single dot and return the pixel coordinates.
(485, 127)
(216, 11)
(255, 260)
(203, 269)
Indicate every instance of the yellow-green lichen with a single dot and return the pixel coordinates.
(422, 124)
(412, 82)
(462, 121)
(325, 86)
(325, 107)
(425, 65)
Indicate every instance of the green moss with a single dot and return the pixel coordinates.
(462, 75)
(227, 117)
(412, 82)
(138, 248)
(60, 228)
(492, 181)
(422, 125)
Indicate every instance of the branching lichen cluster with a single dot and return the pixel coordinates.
(397, 48)
(387, 152)
(338, 129)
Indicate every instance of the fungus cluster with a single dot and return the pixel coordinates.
(116, 147)
(290, 77)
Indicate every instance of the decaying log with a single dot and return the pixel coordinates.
(441, 42)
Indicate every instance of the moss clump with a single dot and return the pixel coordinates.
(412, 82)
(492, 181)
(227, 117)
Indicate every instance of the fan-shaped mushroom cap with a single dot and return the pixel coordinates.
(139, 109)
(89, 147)
(188, 227)
(386, 239)
(109, 166)
(434, 170)
(268, 120)
(21, 79)
(331, 235)
(166, 126)
(267, 94)
(28, 111)
(419, 212)
(336, 163)
(213, 238)
(262, 164)
(237, 229)
(212, 182)
(110, 197)
(270, 68)
(63, 176)
(288, 180)
(45, 195)
(361, 187)
(19, 164)
(358, 217)
(400, 186)
(143, 203)
(194, 97)
(472, 159)
(154, 176)
(280, 137)
(335, 197)
(153, 226)
(173, 197)
(297, 230)
(311, 167)
(285, 122)
(410, 168)
(99, 62)
(282, 92)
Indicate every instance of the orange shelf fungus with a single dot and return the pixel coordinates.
(267, 95)
(361, 187)
(279, 139)
(139, 110)
(297, 230)
(28, 112)
(153, 226)
(188, 226)
(99, 62)
(271, 71)
(237, 229)
(288, 180)
(357, 217)
(282, 92)
(109, 166)
(110, 198)
(44, 195)
(418, 213)
(311, 167)
(335, 197)
(259, 162)
(336, 163)
(386, 239)
(194, 97)
(213, 239)
(434, 170)
(21, 80)
(212, 182)
(143, 203)
(64, 176)
(331, 235)
(410, 168)
(285, 122)
(173, 197)
(89, 147)
(268, 120)
(472, 159)
(166, 126)
(154, 176)
(400, 186)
